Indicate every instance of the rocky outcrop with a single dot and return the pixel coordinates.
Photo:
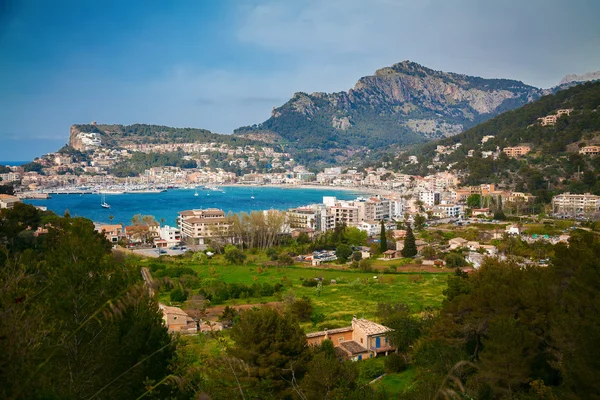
(85, 137)
(401, 104)
(573, 78)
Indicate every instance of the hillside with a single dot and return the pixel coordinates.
(86, 136)
(554, 162)
(398, 105)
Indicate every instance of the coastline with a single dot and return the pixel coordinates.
(360, 189)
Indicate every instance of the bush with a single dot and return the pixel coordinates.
(365, 265)
(394, 363)
(371, 370)
(310, 283)
(272, 254)
(178, 294)
(343, 252)
(302, 309)
(234, 255)
(285, 260)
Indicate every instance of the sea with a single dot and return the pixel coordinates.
(166, 205)
(14, 163)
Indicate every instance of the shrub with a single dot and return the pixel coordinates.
(365, 265)
(371, 370)
(178, 294)
(272, 254)
(394, 363)
(234, 255)
(310, 283)
(302, 309)
(343, 252)
(285, 260)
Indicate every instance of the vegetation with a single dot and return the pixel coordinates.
(410, 247)
(74, 321)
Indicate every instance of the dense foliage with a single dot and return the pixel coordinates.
(74, 322)
(513, 332)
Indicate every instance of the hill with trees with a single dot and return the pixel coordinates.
(553, 164)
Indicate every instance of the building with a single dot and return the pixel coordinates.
(447, 211)
(201, 225)
(302, 218)
(8, 201)
(177, 320)
(576, 204)
(372, 228)
(589, 150)
(113, 233)
(429, 198)
(363, 339)
(171, 235)
(516, 151)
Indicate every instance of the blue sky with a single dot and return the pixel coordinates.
(222, 64)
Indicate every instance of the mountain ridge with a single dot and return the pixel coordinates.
(402, 104)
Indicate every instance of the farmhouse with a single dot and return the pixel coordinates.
(364, 339)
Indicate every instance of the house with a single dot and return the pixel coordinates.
(112, 232)
(373, 228)
(177, 320)
(455, 243)
(589, 150)
(390, 254)
(512, 230)
(420, 244)
(363, 339)
(171, 235)
(481, 212)
(476, 259)
(8, 201)
(365, 251)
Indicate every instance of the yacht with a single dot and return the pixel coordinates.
(196, 192)
(103, 202)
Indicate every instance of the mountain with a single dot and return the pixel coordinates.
(553, 162)
(572, 78)
(87, 136)
(398, 105)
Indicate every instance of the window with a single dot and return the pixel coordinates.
(361, 340)
(174, 317)
(341, 339)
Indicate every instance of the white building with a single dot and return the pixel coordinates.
(171, 235)
(572, 204)
(429, 198)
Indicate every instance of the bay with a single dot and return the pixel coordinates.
(167, 204)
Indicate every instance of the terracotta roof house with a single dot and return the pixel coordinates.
(177, 320)
(455, 243)
(363, 339)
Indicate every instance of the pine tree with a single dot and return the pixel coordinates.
(410, 247)
(382, 239)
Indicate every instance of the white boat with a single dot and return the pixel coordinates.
(196, 192)
(103, 202)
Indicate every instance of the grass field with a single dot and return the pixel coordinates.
(396, 384)
(354, 293)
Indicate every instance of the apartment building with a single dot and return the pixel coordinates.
(429, 198)
(201, 225)
(8, 201)
(589, 150)
(573, 204)
(302, 218)
(516, 151)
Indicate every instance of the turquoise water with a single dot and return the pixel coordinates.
(167, 204)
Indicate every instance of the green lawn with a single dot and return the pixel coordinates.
(396, 384)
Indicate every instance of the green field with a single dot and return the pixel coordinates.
(354, 293)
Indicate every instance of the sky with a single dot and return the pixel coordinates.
(222, 64)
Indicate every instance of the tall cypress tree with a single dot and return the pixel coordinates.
(382, 239)
(410, 247)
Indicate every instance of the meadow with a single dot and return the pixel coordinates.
(342, 294)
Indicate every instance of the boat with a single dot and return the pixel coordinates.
(196, 192)
(103, 202)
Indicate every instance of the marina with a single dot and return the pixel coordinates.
(165, 204)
